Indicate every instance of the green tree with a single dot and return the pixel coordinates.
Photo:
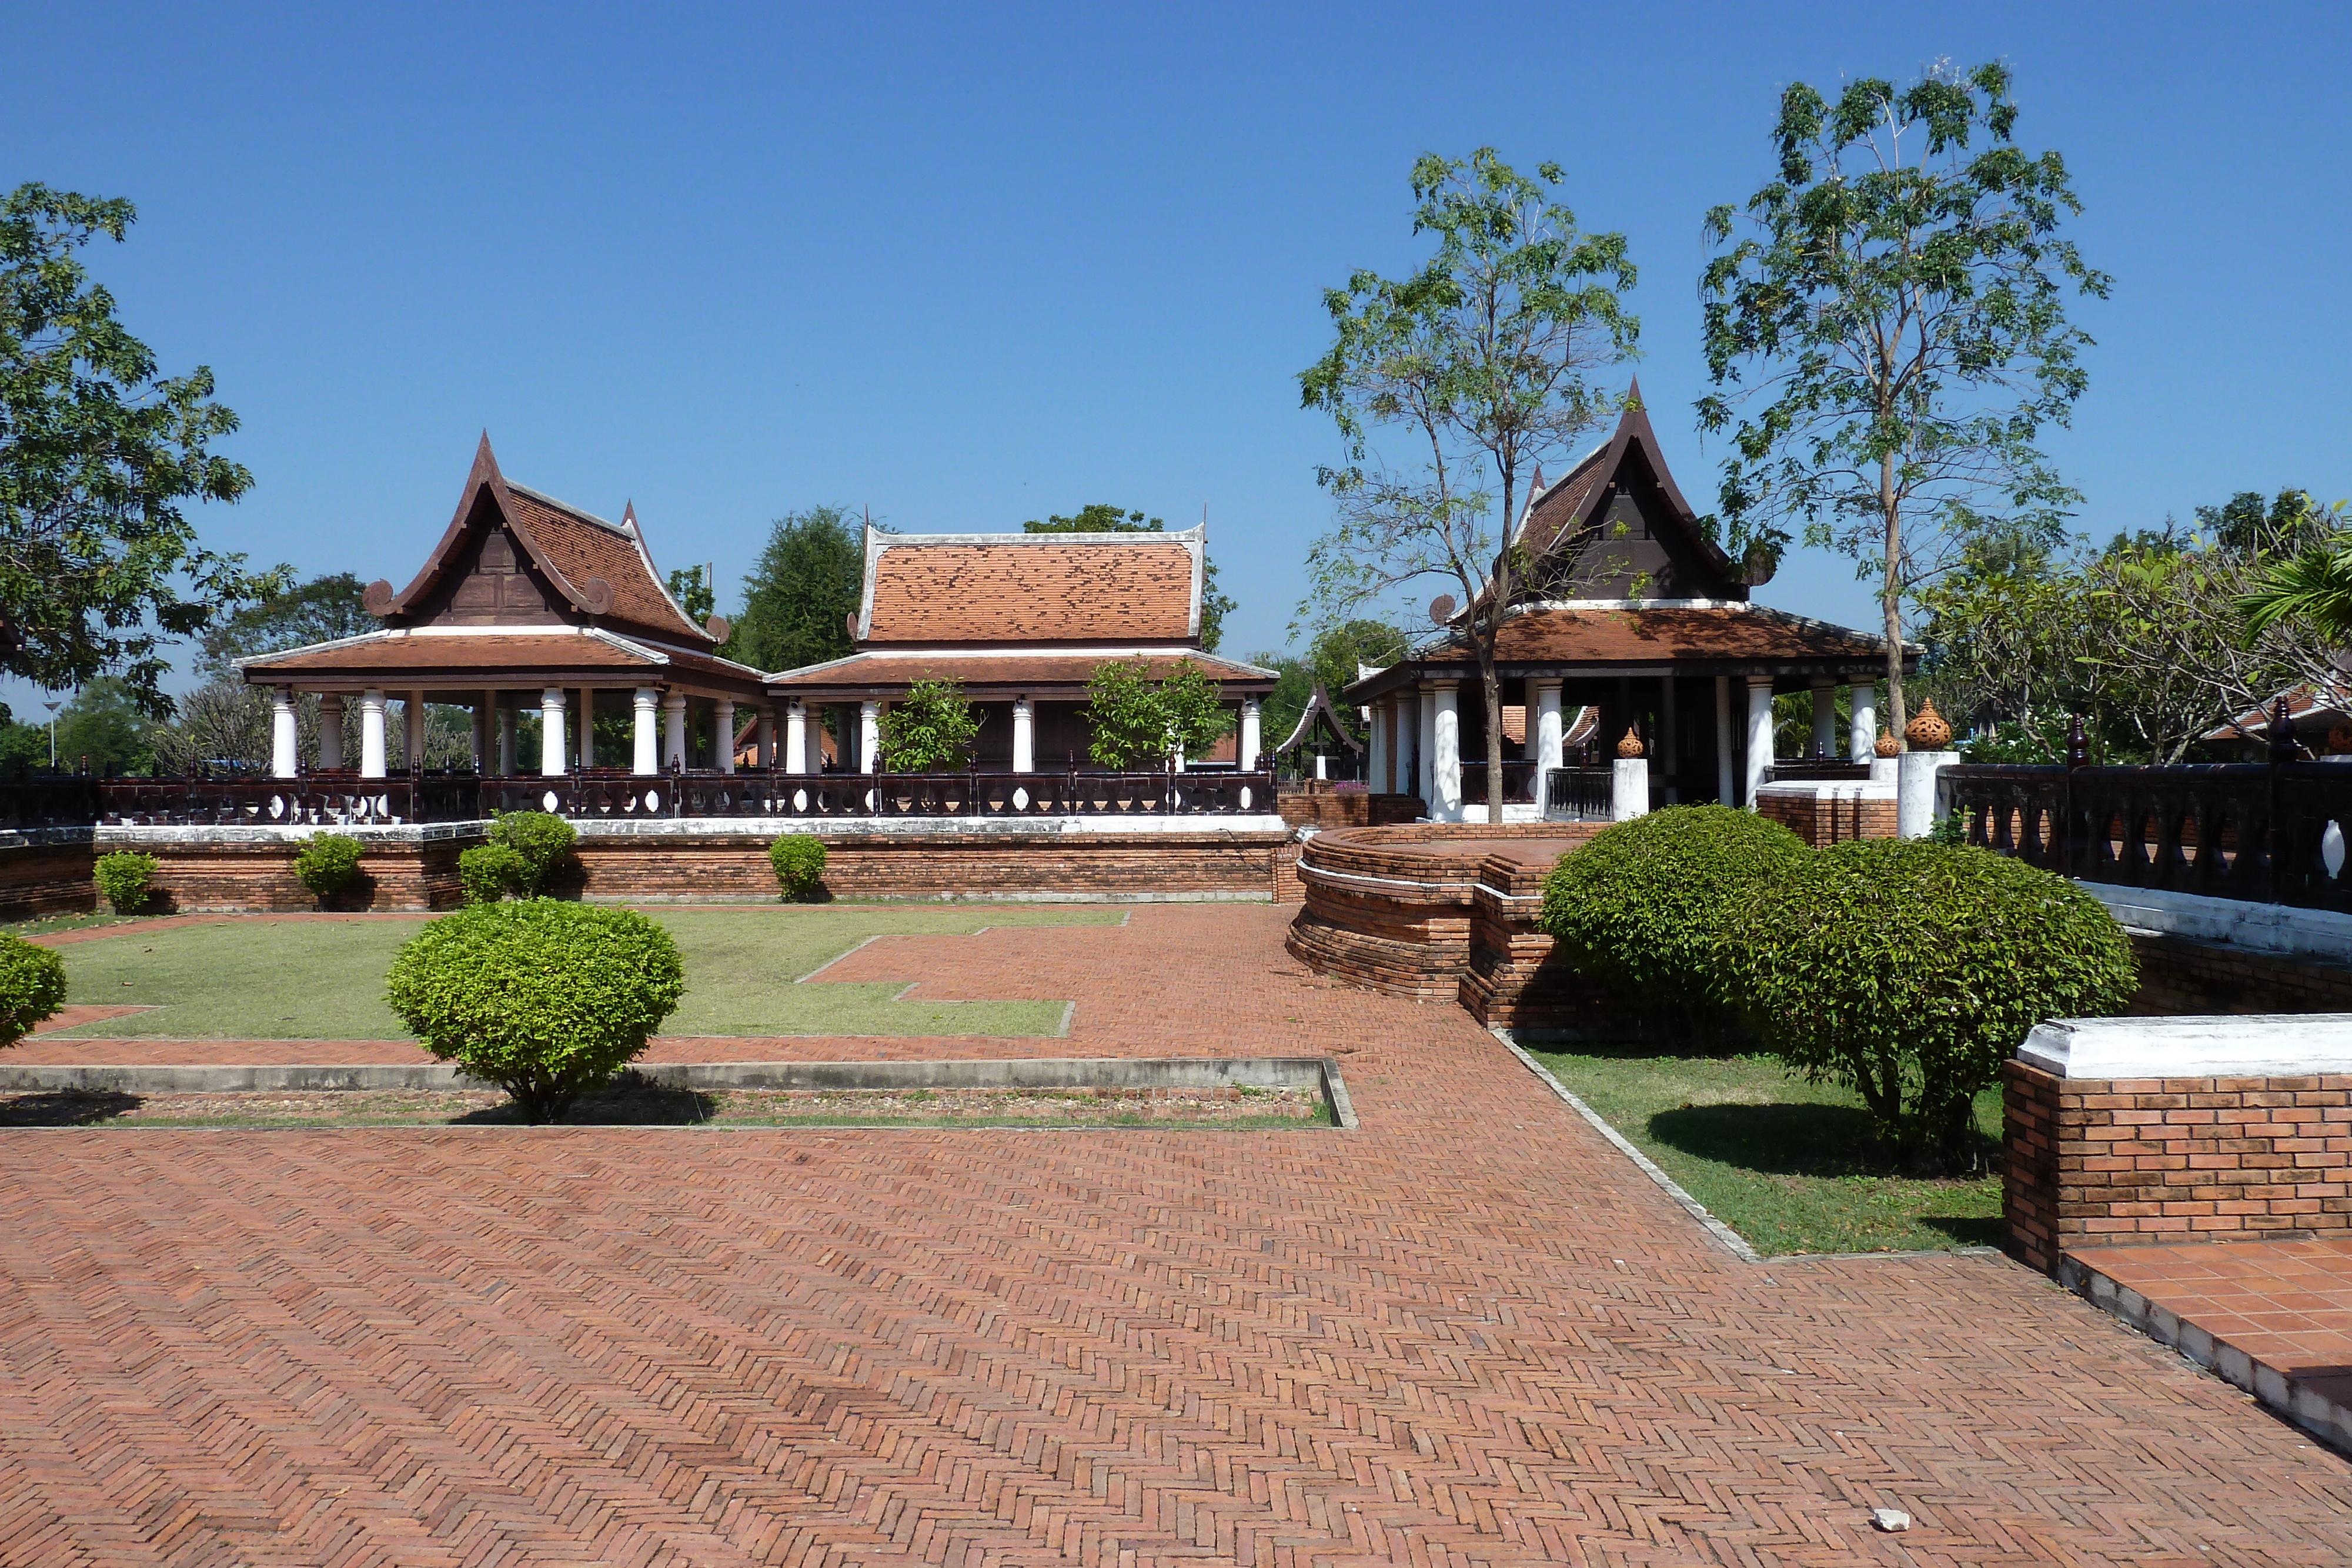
(1479, 361)
(99, 565)
(1102, 518)
(1901, 298)
(1132, 719)
(1294, 688)
(320, 611)
(106, 727)
(800, 595)
(690, 586)
(930, 729)
(24, 748)
(2306, 581)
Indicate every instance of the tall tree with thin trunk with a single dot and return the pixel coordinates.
(1478, 361)
(1900, 297)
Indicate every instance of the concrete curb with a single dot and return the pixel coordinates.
(2323, 1417)
(1319, 1073)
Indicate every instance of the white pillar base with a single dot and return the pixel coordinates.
(371, 739)
(1916, 812)
(1629, 788)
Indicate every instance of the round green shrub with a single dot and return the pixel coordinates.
(544, 841)
(1909, 971)
(799, 862)
(1638, 909)
(545, 998)
(125, 879)
(328, 862)
(32, 987)
(489, 873)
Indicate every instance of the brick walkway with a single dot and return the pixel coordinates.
(1469, 1332)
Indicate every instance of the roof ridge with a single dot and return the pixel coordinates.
(567, 507)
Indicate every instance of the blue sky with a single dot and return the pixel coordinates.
(970, 265)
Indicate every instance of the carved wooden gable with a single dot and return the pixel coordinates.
(492, 580)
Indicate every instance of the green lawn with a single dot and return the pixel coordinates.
(1788, 1164)
(266, 979)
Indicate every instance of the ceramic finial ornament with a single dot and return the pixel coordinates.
(1927, 730)
(1887, 745)
(1631, 745)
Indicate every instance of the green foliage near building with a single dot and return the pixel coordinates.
(543, 998)
(1137, 722)
(327, 862)
(320, 611)
(801, 591)
(798, 860)
(105, 728)
(125, 879)
(489, 873)
(1102, 518)
(99, 454)
(930, 729)
(1909, 971)
(32, 987)
(526, 851)
(1642, 907)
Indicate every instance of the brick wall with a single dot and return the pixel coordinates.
(205, 877)
(1325, 808)
(2106, 1162)
(46, 879)
(1822, 815)
(2180, 976)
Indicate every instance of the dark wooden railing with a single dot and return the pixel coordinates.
(1819, 770)
(1520, 782)
(1580, 794)
(2272, 833)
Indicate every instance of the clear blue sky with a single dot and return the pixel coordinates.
(970, 265)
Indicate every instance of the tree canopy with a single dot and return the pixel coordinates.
(1900, 298)
(98, 562)
(803, 591)
(1102, 518)
(318, 611)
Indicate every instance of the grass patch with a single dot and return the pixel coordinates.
(49, 925)
(630, 1101)
(1788, 1164)
(310, 979)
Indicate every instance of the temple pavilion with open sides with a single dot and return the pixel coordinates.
(1639, 617)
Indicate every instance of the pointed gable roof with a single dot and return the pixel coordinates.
(601, 571)
(1631, 461)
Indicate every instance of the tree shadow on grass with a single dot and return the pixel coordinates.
(1799, 1139)
(627, 1100)
(1989, 1230)
(66, 1108)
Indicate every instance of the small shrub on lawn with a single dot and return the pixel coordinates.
(1639, 907)
(32, 987)
(328, 864)
(544, 841)
(542, 997)
(125, 879)
(1909, 971)
(489, 873)
(798, 860)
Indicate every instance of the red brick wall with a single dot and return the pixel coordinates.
(1328, 807)
(205, 877)
(46, 879)
(2106, 1162)
(937, 866)
(2179, 976)
(1821, 821)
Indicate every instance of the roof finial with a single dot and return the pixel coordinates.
(1633, 394)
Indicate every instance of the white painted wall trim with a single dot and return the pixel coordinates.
(2257, 927)
(2250, 1045)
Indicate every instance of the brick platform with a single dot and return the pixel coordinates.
(1824, 814)
(46, 873)
(2180, 976)
(1468, 1334)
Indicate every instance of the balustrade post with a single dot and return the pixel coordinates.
(2283, 748)
(2073, 842)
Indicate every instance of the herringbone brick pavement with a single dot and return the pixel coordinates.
(1468, 1334)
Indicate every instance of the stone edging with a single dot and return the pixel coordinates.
(2280, 1392)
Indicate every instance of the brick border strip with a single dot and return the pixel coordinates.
(1318, 1072)
(2278, 1390)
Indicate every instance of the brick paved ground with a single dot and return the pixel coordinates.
(1469, 1332)
(2287, 1304)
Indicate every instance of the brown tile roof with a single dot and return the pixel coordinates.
(885, 670)
(1014, 588)
(1657, 635)
(497, 659)
(1566, 500)
(583, 547)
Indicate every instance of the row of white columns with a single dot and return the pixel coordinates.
(1416, 736)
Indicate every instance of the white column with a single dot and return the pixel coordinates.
(1025, 736)
(371, 734)
(1916, 808)
(1629, 788)
(1862, 732)
(412, 721)
(285, 757)
(796, 736)
(551, 732)
(506, 736)
(1250, 735)
(1376, 747)
(1760, 735)
(1446, 747)
(1424, 750)
(1723, 792)
(645, 752)
(330, 730)
(1322, 765)
(1404, 724)
(1825, 716)
(674, 729)
(767, 737)
(587, 729)
(723, 726)
(870, 736)
(1545, 727)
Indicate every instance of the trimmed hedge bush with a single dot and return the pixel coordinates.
(1909, 971)
(125, 879)
(492, 872)
(544, 841)
(328, 864)
(1640, 907)
(32, 987)
(542, 997)
(799, 862)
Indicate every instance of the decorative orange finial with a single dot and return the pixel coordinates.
(1928, 731)
(1887, 745)
(1631, 745)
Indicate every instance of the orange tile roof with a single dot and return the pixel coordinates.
(884, 671)
(495, 659)
(1114, 587)
(583, 548)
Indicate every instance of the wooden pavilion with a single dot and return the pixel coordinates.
(527, 604)
(1637, 616)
